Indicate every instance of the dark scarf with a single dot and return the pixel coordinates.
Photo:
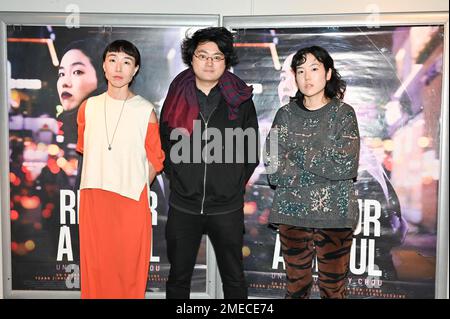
(181, 104)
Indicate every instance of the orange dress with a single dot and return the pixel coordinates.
(115, 232)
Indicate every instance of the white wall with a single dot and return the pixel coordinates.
(223, 8)
(228, 7)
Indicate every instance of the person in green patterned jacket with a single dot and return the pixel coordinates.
(315, 167)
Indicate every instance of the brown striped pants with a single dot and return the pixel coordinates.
(332, 247)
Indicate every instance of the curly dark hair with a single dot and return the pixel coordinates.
(335, 87)
(219, 35)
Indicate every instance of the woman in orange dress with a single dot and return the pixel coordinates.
(118, 136)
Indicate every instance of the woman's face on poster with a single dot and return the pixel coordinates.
(287, 87)
(76, 79)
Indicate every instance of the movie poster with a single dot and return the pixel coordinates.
(51, 70)
(394, 83)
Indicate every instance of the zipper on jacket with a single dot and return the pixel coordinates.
(206, 157)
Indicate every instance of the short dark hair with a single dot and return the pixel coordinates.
(219, 35)
(335, 87)
(125, 47)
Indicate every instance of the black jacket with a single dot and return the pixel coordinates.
(212, 188)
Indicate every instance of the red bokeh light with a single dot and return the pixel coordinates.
(14, 215)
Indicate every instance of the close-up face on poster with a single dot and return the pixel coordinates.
(51, 71)
(394, 83)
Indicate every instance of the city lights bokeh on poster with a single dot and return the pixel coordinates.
(42, 134)
(394, 80)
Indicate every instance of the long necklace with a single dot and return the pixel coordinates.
(117, 124)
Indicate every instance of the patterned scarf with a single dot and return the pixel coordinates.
(181, 104)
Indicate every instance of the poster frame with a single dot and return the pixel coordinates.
(108, 21)
(375, 20)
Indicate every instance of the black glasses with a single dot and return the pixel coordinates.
(215, 58)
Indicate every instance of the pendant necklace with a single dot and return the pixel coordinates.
(117, 124)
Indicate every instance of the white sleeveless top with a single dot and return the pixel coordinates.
(124, 169)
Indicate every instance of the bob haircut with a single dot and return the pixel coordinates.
(127, 48)
(335, 87)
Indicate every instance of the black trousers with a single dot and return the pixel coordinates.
(184, 233)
